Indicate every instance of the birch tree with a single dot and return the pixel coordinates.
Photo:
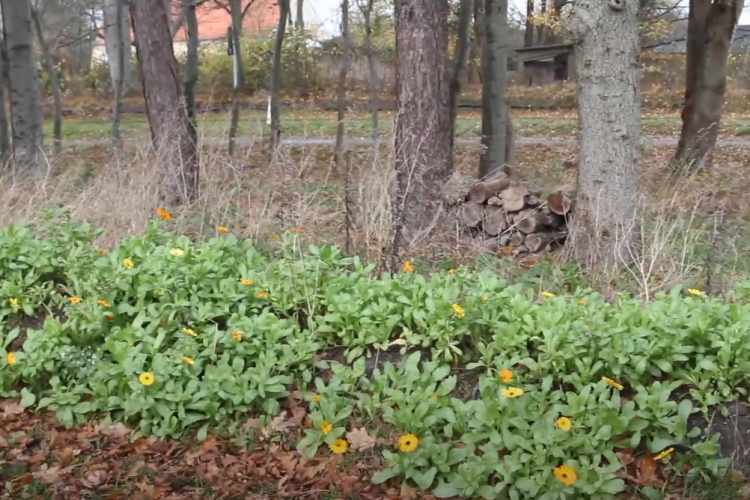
(603, 234)
(118, 44)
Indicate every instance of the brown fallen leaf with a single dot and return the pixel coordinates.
(359, 439)
(94, 479)
(277, 425)
(10, 408)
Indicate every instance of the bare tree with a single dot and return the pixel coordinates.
(118, 44)
(235, 10)
(170, 128)
(528, 33)
(276, 76)
(190, 79)
(603, 234)
(477, 42)
(341, 97)
(366, 7)
(461, 57)
(494, 80)
(711, 26)
(300, 23)
(119, 73)
(423, 156)
(54, 80)
(5, 147)
(26, 111)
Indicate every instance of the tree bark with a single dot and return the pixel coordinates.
(465, 11)
(300, 24)
(341, 97)
(494, 72)
(117, 41)
(423, 125)
(276, 76)
(190, 79)
(475, 52)
(603, 236)
(119, 73)
(54, 83)
(711, 26)
(528, 33)
(541, 28)
(373, 78)
(5, 147)
(168, 119)
(26, 111)
(235, 10)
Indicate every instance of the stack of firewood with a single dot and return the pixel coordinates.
(512, 214)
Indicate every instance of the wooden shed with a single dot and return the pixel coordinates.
(545, 64)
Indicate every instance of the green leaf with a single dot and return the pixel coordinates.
(425, 480)
(658, 444)
(446, 490)
(383, 476)
(27, 398)
(684, 410)
(613, 486)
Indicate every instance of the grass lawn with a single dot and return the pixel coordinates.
(234, 349)
(323, 124)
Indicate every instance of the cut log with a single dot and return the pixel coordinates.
(538, 242)
(532, 201)
(513, 197)
(484, 190)
(471, 214)
(494, 220)
(526, 221)
(517, 239)
(503, 240)
(456, 189)
(547, 218)
(560, 202)
(495, 201)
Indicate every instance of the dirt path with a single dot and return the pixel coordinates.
(303, 141)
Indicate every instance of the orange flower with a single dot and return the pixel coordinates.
(109, 316)
(102, 251)
(103, 303)
(297, 230)
(408, 267)
(506, 375)
(75, 300)
(163, 214)
(222, 229)
(237, 335)
(260, 294)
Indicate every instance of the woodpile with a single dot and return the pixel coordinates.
(512, 215)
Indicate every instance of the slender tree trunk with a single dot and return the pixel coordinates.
(170, 129)
(235, 9)
(373, 78)
(710, 29)
(603, 235)
(26, 111)
(190, 78)
(119, 74)
(494, 70)
(5, 147)
(528, 33)
(542, 29)
(475, 52)
(465, 11)
(276, 76)
(54, 83)
(423, 120)
(300, 24)
(117, 45)
(341, 98)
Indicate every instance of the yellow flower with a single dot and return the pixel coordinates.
(222, 229)
(485, 299)
(103, 303)
(664, 454)
(408, 443)
(246, 281)
(548, 295)
(237, 335)
(408, 267)
(102, 251)
(506, 375)
(315, 399)
(581, 302)
(274, 237)
(512, 392)
(163, 214)
(188, 360)
(10, 359)
(260, 294)
(694, 292)
(146, 378)
(297, 230)
(75, 300)
(326, 427)
(451, 271)
(190, 332)
(338, 447)
(177, 252)
(612, 383)
(564, 423)
(13, 302)
(127, 263)
(458, 311)
(565, 474)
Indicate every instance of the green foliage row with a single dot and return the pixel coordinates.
(172, 336)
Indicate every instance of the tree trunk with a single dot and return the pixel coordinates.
(528, 33)
(170, 129)
(300, 24)
(373, 79)
(494, 81)
(117, 45)
(190, 79)
(475, 52)
(603, 234)
(710, 29)
(5, 147)
(541, 28)
(26, 111)
(276, 76)
(462, 54)
(422, 144)
(54, 83)
(119, 73)
(341, 98)
(235, 10)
